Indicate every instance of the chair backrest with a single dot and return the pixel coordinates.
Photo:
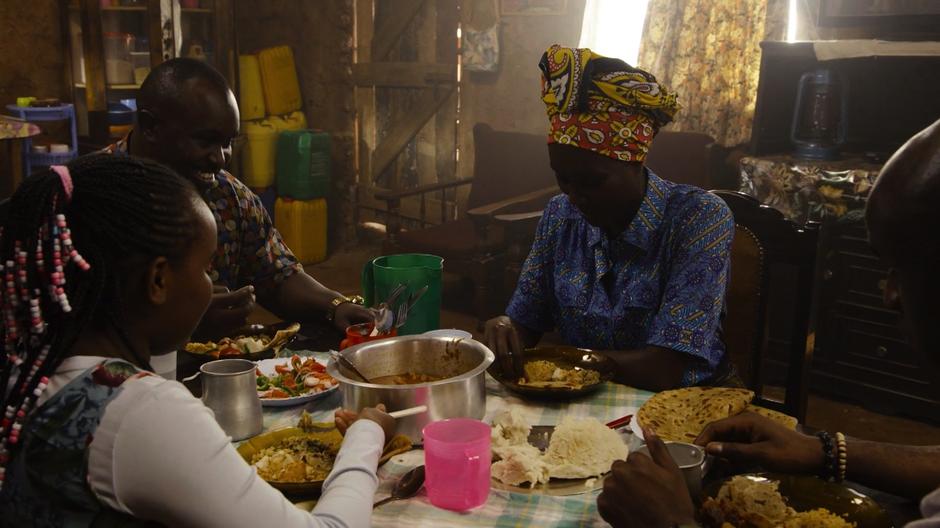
(507, 164)
(765, 244)
(682, 157)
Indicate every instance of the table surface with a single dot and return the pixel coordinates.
(503, 508)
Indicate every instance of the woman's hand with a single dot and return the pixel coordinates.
(647, 492)
(348, 314)
(504, 340)
(226, 314)
(751, 439)
(344, 418)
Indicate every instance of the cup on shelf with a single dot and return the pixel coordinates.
(40, 149)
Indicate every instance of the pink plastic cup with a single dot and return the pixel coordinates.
(457, 463)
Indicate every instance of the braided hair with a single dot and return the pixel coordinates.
(57, 277)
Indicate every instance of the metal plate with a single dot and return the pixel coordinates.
(565, 357)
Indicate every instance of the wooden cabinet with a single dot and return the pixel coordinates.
(861, 352)
(112, 44)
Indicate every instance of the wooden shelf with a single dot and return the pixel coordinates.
(200, 10)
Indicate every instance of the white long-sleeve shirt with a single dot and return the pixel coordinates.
(158, 454)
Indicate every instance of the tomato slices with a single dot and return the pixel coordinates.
(297, 377)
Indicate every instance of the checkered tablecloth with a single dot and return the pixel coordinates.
(503, 508)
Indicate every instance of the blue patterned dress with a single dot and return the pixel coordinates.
(660, 283)
(46, 481)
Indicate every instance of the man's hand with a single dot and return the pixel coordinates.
(345, 418)
(503, 339)
(751, 439)
(227, 313)
(348, 314)
(646, 492)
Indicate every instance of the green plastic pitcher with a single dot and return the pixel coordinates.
(381, 275)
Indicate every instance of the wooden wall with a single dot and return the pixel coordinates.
(510, 99)
(32, 59)
(321, 35)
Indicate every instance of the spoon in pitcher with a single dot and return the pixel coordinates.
(407, 486)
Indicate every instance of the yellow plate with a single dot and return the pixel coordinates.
(322, 431)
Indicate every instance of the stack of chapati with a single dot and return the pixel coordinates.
(680, 415)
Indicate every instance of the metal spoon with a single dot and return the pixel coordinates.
(339, 358)
(407, 486)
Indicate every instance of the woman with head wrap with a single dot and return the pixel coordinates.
(624, 261)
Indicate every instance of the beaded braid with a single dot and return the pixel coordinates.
(57, 276)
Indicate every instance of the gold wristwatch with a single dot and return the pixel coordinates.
(342, 299)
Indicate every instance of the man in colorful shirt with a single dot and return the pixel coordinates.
(187, 118)
(624, 261)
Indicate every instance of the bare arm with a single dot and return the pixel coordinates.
(747, 438)
(300, 297)
(909, 471)
(651, 368)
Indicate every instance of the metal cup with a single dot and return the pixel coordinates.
(229, 388)
(691, 460)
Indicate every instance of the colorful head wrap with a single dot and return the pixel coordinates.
(601, 104)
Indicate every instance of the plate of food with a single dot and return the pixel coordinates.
(296, 460)
(679, 415)
(789, 501)
(569, 458)
(254, 343)
(284, 382)
(558, 373)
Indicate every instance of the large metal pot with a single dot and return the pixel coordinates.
(461, 394)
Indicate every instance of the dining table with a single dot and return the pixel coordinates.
(505, 508)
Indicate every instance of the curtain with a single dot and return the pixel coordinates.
(613, 27)
(708, 51)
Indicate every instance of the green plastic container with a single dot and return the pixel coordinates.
(303, 164)
(381, 275)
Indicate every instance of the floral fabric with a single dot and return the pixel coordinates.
(710, 53)
(46, 481)
(603, 105)
(661, 283)
(806, 190)
(250, 249)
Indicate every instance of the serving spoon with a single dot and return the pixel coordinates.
(407, 486)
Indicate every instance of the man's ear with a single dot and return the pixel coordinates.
(147, 124)
(158, 280)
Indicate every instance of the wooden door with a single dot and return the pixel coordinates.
(406, 76)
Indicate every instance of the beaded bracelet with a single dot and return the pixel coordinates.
(842, 456)
(830, 467)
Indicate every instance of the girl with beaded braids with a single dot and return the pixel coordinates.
(103, 266)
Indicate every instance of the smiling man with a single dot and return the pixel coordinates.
(187, 118)
(624, 261)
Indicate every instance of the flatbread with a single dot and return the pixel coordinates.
(783, 419)
(680, 415)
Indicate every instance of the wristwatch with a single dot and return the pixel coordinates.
(334, 304)
(342, 299)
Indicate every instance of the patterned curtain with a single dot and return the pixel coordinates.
(708, 51)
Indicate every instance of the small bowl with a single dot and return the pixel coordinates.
(565, 357)
(691, 460)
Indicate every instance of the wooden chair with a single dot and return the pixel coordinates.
(510, 172)
(767, 245)
(683, 157)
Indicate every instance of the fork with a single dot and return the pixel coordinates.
(384, 319)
